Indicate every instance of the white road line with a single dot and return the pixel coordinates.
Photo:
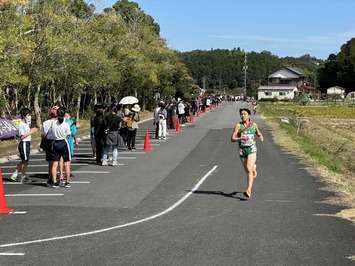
(19, 212)
(41, 165)
(74, 172)
(11, 254)
(94, 159)
(34, 183)
(32, 195)
(172, 207)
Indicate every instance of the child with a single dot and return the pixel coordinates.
(24, 134)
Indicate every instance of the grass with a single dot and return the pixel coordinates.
(325, 141)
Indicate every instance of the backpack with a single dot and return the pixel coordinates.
(129, 122)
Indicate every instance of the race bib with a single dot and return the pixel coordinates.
(249, 141)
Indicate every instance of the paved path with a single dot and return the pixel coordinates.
(179, 204)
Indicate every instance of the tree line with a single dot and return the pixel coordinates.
(64, 52)
(220, 69)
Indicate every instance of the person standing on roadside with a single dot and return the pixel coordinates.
(181, 112)
(171, 116)
(243, 133)
(156, 120)
(60, 148)
(162, 115)
(113, 124)
(132, 131)
(99, 133)
(24, 133)
(47, 134)
(72, 143)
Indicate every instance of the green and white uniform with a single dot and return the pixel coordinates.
(248, 146)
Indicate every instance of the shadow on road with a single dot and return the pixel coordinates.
(221, 193)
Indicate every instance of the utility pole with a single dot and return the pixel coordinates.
(245, 67)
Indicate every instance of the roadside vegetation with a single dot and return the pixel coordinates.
(323, 137)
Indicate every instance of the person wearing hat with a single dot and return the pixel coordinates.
(132, 131)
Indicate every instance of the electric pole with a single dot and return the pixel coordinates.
(245, 67)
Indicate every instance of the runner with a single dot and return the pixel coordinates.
(243, 133)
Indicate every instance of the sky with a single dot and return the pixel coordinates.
(284, 28)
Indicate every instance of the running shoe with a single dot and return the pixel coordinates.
(114, 163)
(247, 194)
(67, 185)
(24, 179)
(104, 163)
(14, 178)
(55, 185)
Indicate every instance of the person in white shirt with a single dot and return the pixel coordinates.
(60, 148)
(181, 112)
(162, 116)
(47, 134)
(24, 135)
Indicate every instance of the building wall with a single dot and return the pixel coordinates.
(278, 94)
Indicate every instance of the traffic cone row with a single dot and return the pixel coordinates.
(3, 207)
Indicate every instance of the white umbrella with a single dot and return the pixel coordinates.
(129, 100)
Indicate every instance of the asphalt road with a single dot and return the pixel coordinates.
(179, 204)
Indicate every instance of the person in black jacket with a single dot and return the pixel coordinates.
(99, 132)
(113, 124)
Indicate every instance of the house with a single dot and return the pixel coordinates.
(280, 92)
(285, 83)
(336, 90)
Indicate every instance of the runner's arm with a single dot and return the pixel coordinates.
(258, 133)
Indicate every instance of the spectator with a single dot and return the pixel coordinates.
(24, 135)
(181, 112)
(132, 131)
(60, 148)
(113, 123)
(72, 142)
(171, 116)
(162, 115)
(99, 133)
(46, 133)
(156, 121)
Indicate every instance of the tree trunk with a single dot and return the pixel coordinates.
(78, 108)
(36, 107)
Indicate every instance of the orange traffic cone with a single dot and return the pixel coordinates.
(3, 208)
(191, 118)
(178, 129)
(147, 142)
(211, 107)
(204, 110)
